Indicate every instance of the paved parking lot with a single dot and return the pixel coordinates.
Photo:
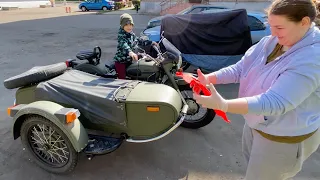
(210, 153)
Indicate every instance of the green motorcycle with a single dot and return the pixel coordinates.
(160, 69)
(60, 112)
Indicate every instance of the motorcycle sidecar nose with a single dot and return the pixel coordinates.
(151, 109)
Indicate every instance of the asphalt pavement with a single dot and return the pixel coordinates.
(209, 153)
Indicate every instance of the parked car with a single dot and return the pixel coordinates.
(257, 21)
(88, 5)
(191, 10)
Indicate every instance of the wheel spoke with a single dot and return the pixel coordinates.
(48, 145)
(52, 157)
(61, 149)
(50, 134)
(37, 134)
(36, 141)
(39, 149)
(60, 156)
(42, 130)
(57, 141)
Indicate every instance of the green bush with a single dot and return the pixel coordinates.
(134, 2)
(118, 5)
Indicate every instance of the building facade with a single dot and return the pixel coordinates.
(23, 3)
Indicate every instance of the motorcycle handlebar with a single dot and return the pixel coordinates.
(145, 56)
(155, 47)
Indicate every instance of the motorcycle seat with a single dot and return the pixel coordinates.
(110, 65)
(86, 55)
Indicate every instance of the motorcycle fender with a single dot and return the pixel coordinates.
(54, 113)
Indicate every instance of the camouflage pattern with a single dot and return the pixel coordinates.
(127, 42)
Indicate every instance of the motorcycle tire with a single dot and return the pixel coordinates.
(201, 122)
(63, 160)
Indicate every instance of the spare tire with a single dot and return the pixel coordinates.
(35, 75)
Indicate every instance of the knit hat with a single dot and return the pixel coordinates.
(125, 19)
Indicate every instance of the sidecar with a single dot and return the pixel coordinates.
(60, 112)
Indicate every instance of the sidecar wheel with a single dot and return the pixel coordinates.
(48, 145)
(193, 120)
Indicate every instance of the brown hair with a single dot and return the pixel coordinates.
(295, 10)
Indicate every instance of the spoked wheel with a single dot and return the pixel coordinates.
(50, 147)
(197, 116)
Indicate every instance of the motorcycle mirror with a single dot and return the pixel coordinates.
(162, 34)
(162, 37)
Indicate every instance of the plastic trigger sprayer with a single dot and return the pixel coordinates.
(197, 87)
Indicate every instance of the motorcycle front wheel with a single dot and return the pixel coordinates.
(197, 116)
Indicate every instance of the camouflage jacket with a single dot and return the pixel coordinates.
(127, 42)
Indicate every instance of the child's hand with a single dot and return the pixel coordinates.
(134, 56)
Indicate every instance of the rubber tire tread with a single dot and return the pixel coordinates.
(35, 75)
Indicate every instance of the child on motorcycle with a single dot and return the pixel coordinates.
(127, 42)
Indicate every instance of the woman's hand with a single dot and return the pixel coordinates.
(215, 101)
(204, 80)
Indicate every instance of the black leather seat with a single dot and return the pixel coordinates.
(110, 65)
(86, 54)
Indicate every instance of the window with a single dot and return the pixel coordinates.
(196, 10)
(214, 8)
(255, 24)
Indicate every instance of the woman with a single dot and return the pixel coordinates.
(317, 20)
(279, 94)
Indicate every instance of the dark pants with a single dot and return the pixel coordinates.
(121, 69)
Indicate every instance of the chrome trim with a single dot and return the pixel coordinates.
(184, 112)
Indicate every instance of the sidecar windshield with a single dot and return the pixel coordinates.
(170, 47)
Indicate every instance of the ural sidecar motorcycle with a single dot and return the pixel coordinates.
(59, 112)
(161, 69)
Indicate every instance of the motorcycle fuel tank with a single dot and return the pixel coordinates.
(143, 70)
